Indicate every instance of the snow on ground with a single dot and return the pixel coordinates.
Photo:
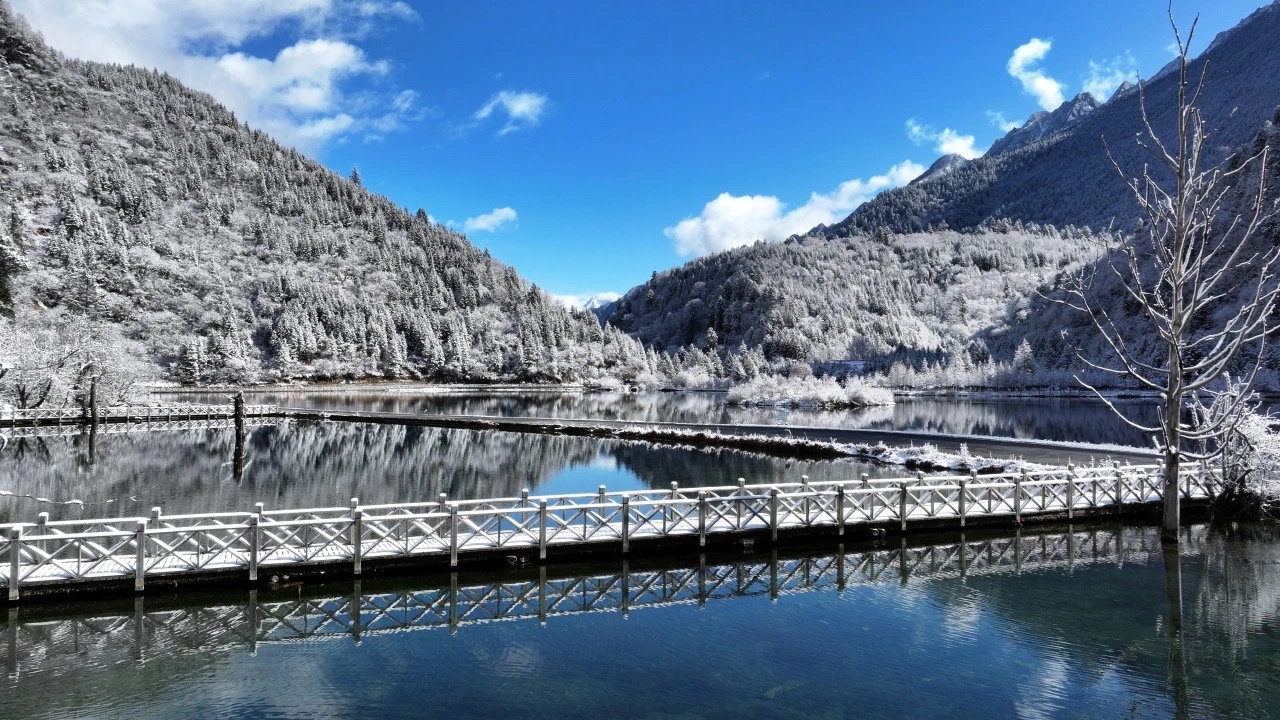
(808, 392)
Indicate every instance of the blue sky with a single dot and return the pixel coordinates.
(589, 144)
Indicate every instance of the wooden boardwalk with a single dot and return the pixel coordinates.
(151, 631)
(122, 554)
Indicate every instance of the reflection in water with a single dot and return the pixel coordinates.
(1040, 625)
(303, 464)
(1067, 419)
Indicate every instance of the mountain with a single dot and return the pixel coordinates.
(1056, 170)
(1043, 124)
(941, 166)
(865, 297)
(143, 226)
(967, 263)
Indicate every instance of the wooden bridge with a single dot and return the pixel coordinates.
(76, 416)
(121, 554)
(154, 630)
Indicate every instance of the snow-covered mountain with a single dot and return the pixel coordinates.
(141, 223)
(1043, 124)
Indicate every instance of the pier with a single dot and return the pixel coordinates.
(149, 630)
(54, 558)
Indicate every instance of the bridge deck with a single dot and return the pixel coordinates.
(72, 554)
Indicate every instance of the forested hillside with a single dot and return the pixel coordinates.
(142, 226)
(864, 297)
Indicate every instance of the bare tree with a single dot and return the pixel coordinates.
(1195, 281)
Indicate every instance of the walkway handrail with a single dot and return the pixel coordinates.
(72, 551)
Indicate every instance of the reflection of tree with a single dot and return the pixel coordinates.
(291, 465)
(659, 466)
(1070, 419)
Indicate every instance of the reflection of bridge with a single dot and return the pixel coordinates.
(29, 417)
(147, 633)
(132, 426)
(235, 546)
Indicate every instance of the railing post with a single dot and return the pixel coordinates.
(357, 535)
(600, 495)
(453, 536)
(902, 505)
(702, 518)
(255, 547)
(626, 523)
(140, 557)
(840, 514)
(542, 529)
(15, 561)
(1017, 497)
(670, 508)
(804, 490)
(1119, 488)
(1071, 490)
(962, 504)
(742, 490)
(866, 480)
(773, 514)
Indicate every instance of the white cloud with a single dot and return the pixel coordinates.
(947, 142)
(298, 95)
(523, 109)
(999, 120)
(730, 221)
(1046, 90)
(490, 221)
(1104, 77)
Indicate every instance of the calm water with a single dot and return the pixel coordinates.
(301, 464)
(1036, 637)
(1070, 419)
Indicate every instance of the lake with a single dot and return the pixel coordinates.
(1030, 629)
(1072, 625)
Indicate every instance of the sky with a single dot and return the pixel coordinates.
(590, 144)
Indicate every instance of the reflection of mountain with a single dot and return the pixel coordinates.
(1073, 419)
(290, 465)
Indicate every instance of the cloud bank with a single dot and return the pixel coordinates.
(1047, 91)
(522, 110)
(1104, 77)
(946, 142)
(730, 221)
(490, 221)
(299, 95)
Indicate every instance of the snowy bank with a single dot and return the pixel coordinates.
(808, 393)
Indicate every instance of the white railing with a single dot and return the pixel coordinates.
(131, 413)
(70, 551)
(58, 646)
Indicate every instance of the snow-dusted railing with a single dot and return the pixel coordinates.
(164, 546)
(61, 645)
(132, 413)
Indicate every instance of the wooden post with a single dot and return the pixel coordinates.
(93, 402)
(1017, 498)
(840, 513)
(1119, 489)
(255, 547)
(866, 480)
(902, 505)
(742, 490)
(626, 523)
(1071, 491)
(773, 514)
(804, 489)
(702, 518)
(15, 561)
(962, 503)
(542, 529)
(357, 535)
(453, 536)
(140, 557)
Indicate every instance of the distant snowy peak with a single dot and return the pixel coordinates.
(1125, 88)
(941, 166)
(1043, 124)
(592, 301)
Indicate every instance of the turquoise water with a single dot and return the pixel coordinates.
(1036, 626)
